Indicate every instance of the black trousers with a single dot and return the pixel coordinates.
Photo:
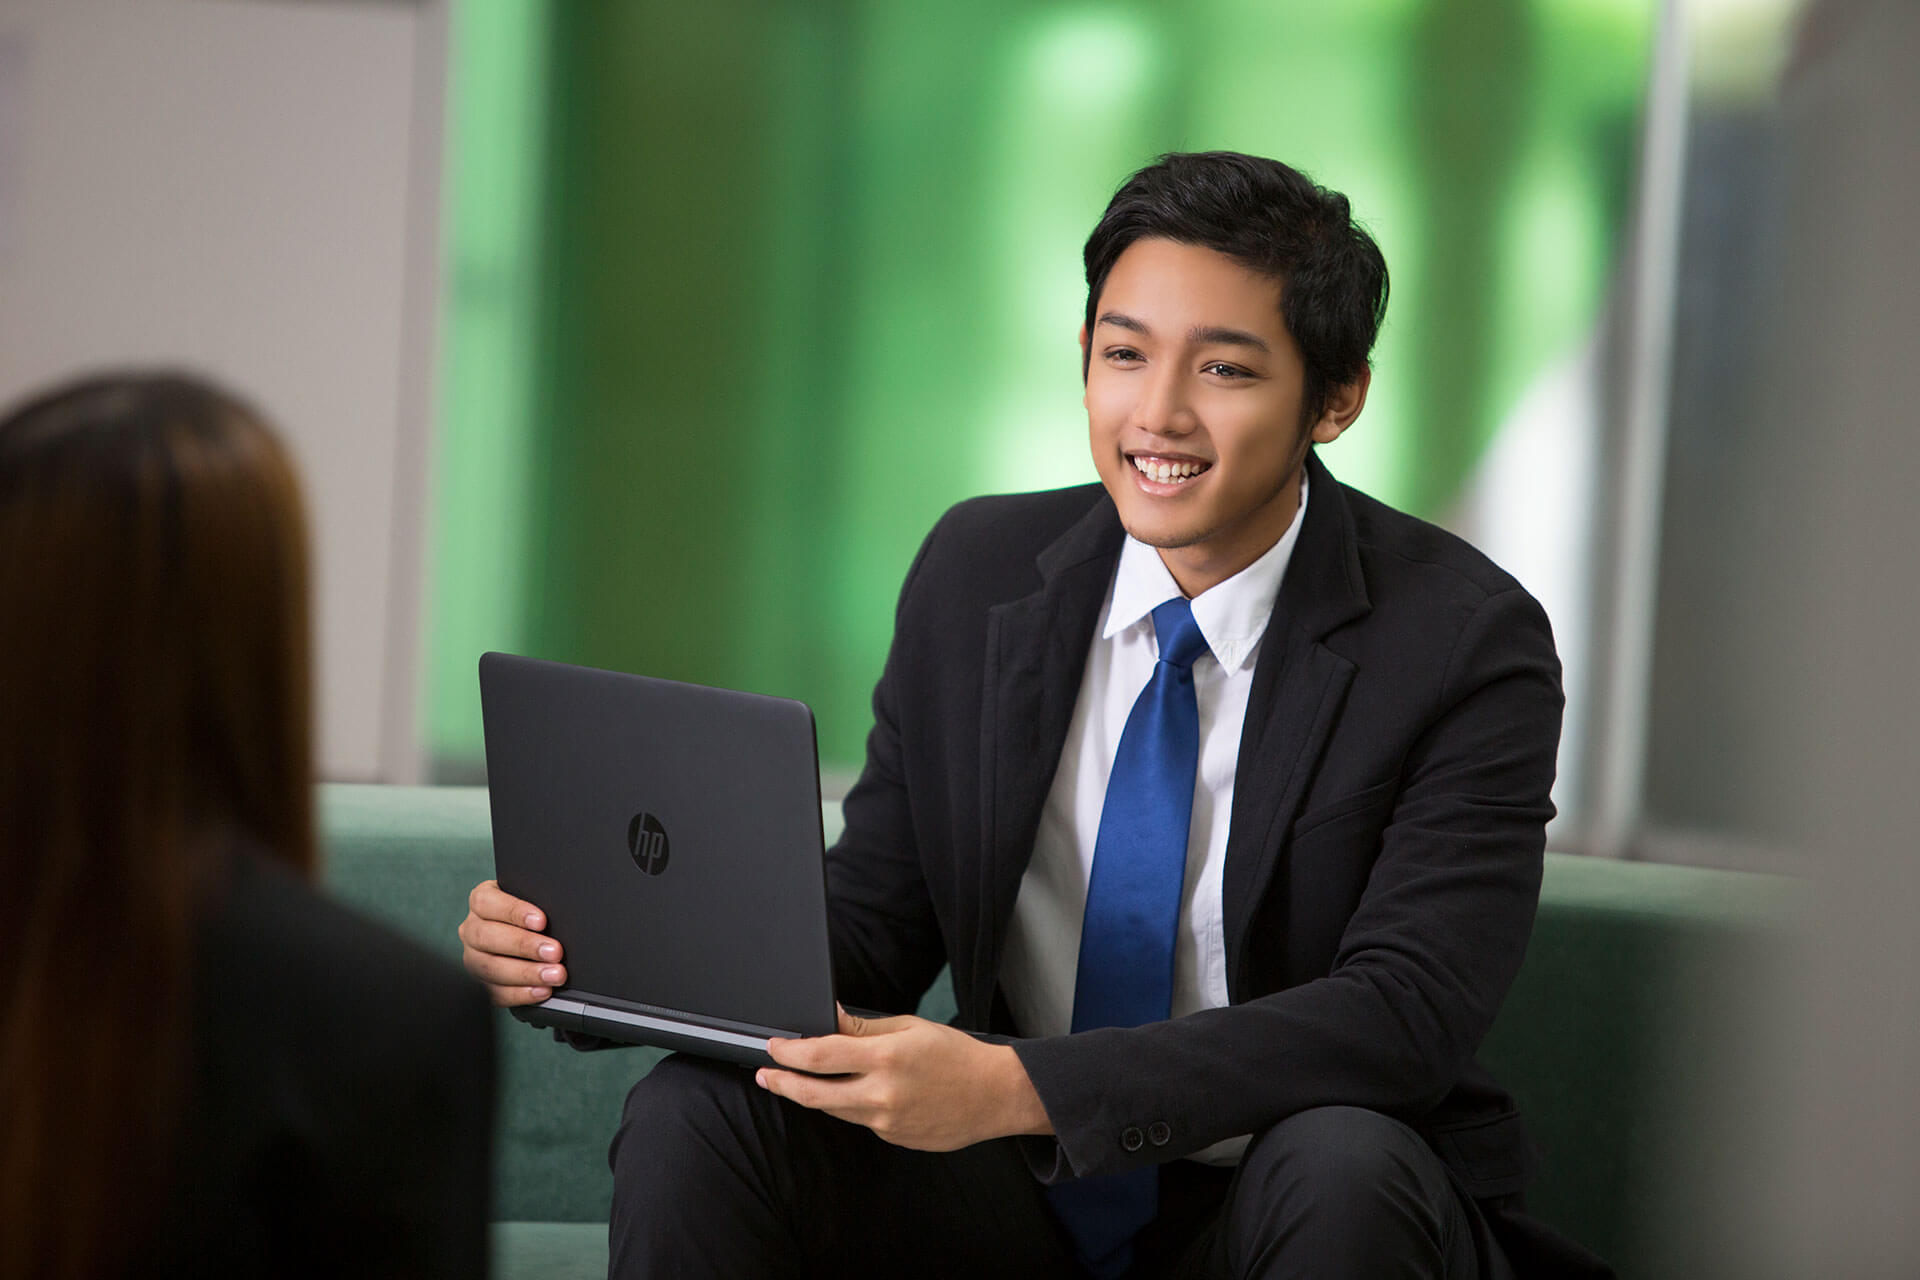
(714, 1177)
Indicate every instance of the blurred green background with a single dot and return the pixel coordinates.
(741, 297)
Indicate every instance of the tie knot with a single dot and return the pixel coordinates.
(1178, 634)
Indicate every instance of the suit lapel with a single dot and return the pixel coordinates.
(1036, 655)
(1298, 687)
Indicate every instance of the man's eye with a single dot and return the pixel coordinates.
(1123, 355)
(1224, 370)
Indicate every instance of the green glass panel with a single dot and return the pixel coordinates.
(807, 273)
(482, 531)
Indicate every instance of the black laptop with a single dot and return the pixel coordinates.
(672, 834)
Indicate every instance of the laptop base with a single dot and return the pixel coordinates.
(632, 1026)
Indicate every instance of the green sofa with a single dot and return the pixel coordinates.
(1600, 1038)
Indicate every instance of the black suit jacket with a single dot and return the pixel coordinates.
(341, 1097)
(1384, 854)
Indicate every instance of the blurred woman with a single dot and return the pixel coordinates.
(205, 1066)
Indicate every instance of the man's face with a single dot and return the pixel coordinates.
(1194, 391)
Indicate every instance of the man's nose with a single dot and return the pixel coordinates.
(1165, 408)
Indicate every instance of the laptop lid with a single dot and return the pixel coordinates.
(672, 834)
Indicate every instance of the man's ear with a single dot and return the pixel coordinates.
(1343, 406)
(1086, 353)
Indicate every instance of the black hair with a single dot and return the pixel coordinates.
(1279, 222)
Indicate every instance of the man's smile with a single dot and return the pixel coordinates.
(1164, 473)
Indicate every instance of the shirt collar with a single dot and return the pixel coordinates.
(1232, 616)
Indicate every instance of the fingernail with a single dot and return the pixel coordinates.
(549, 951)
(550, 974)
(539, 993)
(760, 1078)
(533, 919)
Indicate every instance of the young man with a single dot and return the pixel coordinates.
(1222, 790)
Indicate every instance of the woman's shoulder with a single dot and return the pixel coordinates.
(291, 955)
(339, 1116)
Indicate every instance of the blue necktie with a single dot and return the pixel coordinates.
(1125, 976)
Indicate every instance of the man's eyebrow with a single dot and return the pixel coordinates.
(1199, 335)
(1214, 335)
(1120, 320)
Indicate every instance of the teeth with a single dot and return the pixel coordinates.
(1167, 472)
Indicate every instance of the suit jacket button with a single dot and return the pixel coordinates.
(1158, 1133)
(1131, 1138)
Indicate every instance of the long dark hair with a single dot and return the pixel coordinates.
(154, 712)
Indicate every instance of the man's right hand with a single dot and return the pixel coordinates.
(501, 944)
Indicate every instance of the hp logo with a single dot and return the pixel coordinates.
(647, 842)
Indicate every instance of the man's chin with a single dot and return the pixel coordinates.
(1161, 535)
(1148, 519)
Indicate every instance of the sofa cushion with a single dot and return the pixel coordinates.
(1630, 977)
(549, 1251)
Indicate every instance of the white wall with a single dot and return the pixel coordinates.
(251, 190)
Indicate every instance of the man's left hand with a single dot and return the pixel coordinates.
(913, 1082)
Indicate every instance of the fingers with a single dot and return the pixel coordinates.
(834, 1097)
(518, 965)
(499, 939)
(490, 902)
(798, 1054)
(823, 1055)
(511, 997)
(863, 1044)
(511, 981)
(875, 1100)
(914, 1083)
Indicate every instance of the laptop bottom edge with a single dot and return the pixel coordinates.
(566, 1014)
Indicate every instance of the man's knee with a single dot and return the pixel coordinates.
(1337, 1152)
(681, 1085)
(703, 1175)
(680, 1081)
(1344, 1182)
(1343, 1191)
(683, 1107)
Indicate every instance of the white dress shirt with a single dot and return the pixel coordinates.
(1042, 954)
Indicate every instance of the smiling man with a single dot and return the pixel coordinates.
(1199, 405)
(1220, 787)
